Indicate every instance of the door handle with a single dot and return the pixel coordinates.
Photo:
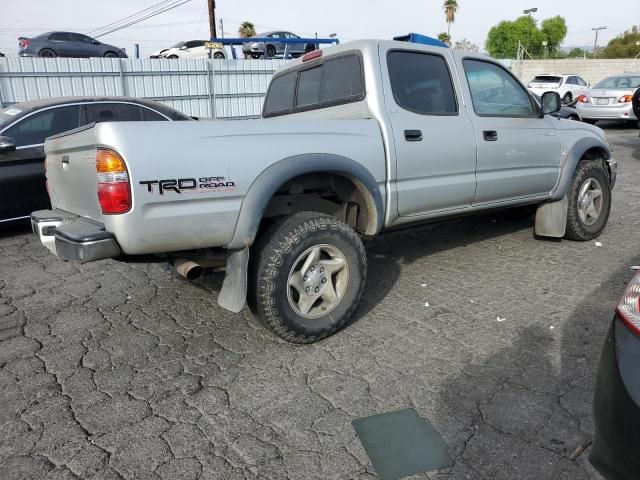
(413, 135)
(490, 135)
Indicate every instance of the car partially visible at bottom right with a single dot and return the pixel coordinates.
(610, 99)
(616, 445)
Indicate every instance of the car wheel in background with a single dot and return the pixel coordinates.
(567, 99)
(574, 117)
(47, 53)
(307, 275)
(271, 51)
(219, 55)
(173, 56)
(589, 201)
(111, 55)
(590, 122)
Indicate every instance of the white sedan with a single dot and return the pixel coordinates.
(192, 49)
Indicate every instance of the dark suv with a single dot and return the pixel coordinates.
(66, 44)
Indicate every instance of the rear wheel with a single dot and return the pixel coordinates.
(567, 99)
(110, 55)
(307, 276)
(173, 57)
(218, 55)
(271, 51)
(589, 201)
(47, 53)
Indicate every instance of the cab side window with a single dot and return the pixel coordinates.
(495, 92)
(421, 83)
(34, 129)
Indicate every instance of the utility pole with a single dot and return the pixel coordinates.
(221, 29)
(212, 18)
(595, 43)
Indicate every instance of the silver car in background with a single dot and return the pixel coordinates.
(610, 99)
(276, 46)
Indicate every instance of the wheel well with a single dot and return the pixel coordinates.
(595, 153)
(340, 195)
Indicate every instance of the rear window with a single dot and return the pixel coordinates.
(547, 79)
(335, 81)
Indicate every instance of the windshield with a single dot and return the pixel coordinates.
(546, 79)
(625, 82)
(177, 45)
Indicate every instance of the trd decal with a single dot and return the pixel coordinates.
(188, 185)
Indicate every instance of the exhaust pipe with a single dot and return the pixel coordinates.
(188, 268)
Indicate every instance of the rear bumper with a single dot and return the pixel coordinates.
(622, 111)
(616, 406)
(71, 237)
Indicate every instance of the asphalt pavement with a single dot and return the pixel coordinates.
(119, 370)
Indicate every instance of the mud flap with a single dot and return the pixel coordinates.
(551, 219)
(233, 295)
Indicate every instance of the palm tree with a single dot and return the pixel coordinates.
(450, 9)
(247, 29)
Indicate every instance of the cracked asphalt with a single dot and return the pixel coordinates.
(116, 370)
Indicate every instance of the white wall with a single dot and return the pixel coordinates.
(591, 70)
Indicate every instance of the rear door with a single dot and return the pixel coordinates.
(434, 138)
(22, 179)
(518, 152)
(63, 45)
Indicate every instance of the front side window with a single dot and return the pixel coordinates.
(495, 92)
(34, 129)
(421, 83)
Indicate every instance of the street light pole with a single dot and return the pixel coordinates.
(595, 43)
(529, 11)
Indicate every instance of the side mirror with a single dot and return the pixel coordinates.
(550, 103)
(7, 144)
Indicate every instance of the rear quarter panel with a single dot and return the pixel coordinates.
(233, 154)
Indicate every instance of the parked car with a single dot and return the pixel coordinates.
(636, 105)
(191, 49)
(616, 404)
(24, 127)
(369, 136)
(1, 54)
(568, 86)
(565, 111)
(66, 44)
(610, 99)
(275, 47)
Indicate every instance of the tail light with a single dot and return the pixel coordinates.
(583, 99)
(23, 42)
(629, 306)
(625, 99)
(114, 192)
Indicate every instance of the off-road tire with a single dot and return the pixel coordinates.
(272, 259)
(576, 228)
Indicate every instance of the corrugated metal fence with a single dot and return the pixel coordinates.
(197, 87)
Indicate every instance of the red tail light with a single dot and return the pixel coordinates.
(23, 42)
(625, 99)
(629, 306)
(311, 55)
(583, 99)
(114, 192)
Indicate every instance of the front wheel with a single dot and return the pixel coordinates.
(589, 201)
(110, 55)
(307, 276)
(219, 56)
(47, 53)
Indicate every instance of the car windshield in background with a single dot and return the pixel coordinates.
(177, 45)
(625, 82)
(546, 79)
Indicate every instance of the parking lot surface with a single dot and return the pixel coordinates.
(125, 370)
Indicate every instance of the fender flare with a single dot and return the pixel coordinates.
(573, 158)
(271, 179)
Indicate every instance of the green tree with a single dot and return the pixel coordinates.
(624, 45)
(554, 30)
(247, 29)
(576, 53)
(450, 10)
(504, 38)
(444, 38)
(465, 44)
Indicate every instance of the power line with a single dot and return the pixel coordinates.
(129, 17)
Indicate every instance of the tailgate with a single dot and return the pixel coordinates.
(71, 172)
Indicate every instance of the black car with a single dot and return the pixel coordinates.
(635, 101)
(24, 127)
(616, 405)
(567, 112)
(66, 44)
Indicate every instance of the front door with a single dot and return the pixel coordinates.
(434, 141)
(518, 152)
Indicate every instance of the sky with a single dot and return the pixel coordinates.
(349, 19)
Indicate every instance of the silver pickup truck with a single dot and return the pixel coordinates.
(356, 139)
